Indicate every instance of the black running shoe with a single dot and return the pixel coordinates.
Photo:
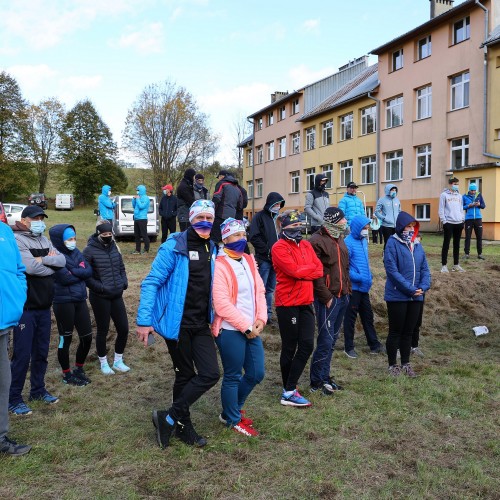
(79, 372)
(71, 379)
(163, 429)
(187, 434)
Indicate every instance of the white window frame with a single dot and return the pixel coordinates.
(463, 148)
(462, 24)
(281, 113)
(328, 171)
(346, 126)
(281, 147)
(270, 150)
(424, 153)
(426, 212)
(327, 133)
(295, 143)
(394, 108)
(460, 91)
(366, 115)
(428, 44)
(260, 154)
(295, 181)
(394, 158)
(368, 166)
(369, 212)
(260, 187)
(397, 60)
(295, 106)
(259, 123)
(310, 175)
(424, 102)
(310, 138)
(250, 157)
(346, 172)
(270, 118)
(250, 189)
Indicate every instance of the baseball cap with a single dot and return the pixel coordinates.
(352, 185)
(32, 211)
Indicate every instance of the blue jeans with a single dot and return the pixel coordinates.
(268, 275)
(238, 353)
(329, 323)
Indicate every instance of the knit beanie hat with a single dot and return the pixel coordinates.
(332, 215)
(201, 207)
(289, 217)
(472, 187)
(68, 233)
(104, 227)
(231, 226)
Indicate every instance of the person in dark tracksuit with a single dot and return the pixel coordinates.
(168, 211)
(473, 203)
(185, 198)
(140, 202)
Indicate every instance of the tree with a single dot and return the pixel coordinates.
(166, 130)
(241, 130)
(40, 132)
(89, 153)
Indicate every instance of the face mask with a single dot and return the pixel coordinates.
(106, 240)
(393, 194)
(203, 228)
(364, 233)
(164, 191)
(335, 230)
(137, 192)
(275, 209)
(454, 187)
(293, 234)
(235, 249)
(70, 245)
(406, 236)
(109, 193)
(37, 227)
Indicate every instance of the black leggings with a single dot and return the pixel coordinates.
(477, 226)
(68, 316)
(451, 231)
(104, 310)
(386, 232)
(167, 225)
(141, 231)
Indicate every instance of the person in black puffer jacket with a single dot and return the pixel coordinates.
(70, 304)
(106, 285)
(185, 198)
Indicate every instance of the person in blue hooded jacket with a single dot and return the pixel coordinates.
(140, 203)
(408, 279)
(473, 203)
(387, 210)
(361, 281)
(70, 304)
(106, 204)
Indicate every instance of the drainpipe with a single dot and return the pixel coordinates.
(378, 143)
(485, 85)
(253, 164)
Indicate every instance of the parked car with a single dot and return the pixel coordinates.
(305, 223)
(13, 212)
(38, 199)
(123, 224)
(65, 202)
(3, 217)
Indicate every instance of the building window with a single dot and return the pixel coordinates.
(424, 102)
(424, 48)
(260, 155)
(461, 30)
(346, 127)
(327, 133)
(369, 212)
(281, 147)
(369, 120)
(295, 178)
(328, 171)
(423, 212)
(295, 143)
(397, 60)
(259, 123)
(459, 153)
(394, 166)
(250, 189)
(270, 119)
(250, 157)
(310, 138)
(260, 185)
(295, 107)
(270, 151)
(460, 90)
(394, 112)
(368, 166)
(424, 160)
(310, 174)
(345, 172)
(281, 113)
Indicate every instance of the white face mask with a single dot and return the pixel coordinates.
(109, 193)
(364, 233)
(165, 191)
(70, 245)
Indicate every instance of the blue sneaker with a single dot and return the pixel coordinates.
(20, 409)
(120, 366)
(46, 398)
(295, 399)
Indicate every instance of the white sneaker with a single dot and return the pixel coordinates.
(106, 369)
(417, 351)
(457, 269)
(444, 269)
(121, 366)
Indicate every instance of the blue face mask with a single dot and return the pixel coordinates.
(454, 187)
(236, 248)
(203, 228)
(393, 194)
(37, 226)
(70, 245)
(293, 234)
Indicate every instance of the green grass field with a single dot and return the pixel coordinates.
(432, 437)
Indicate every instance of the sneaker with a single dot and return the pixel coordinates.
(417, 351)
(394, 370)
(378, 350)
(246, 430)
(466, 256)
(408, 371)
(334, 386)
(79, 372)
(457, 269)
(295, 399)
(481, 257)
(444, 269)
(10, 447)
(164, 430)
(187, 434)
(20, 409)
(244, 420)
(106, 369)
(46, 398)
(351, 354)
(121, 366)
(135, 252)
(144, 251)
(71, 379)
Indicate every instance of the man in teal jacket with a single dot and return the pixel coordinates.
(140, 202)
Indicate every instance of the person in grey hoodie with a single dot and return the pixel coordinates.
(317, 201)
(387, 211)
(451, 214)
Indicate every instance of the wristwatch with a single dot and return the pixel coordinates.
(248, 331)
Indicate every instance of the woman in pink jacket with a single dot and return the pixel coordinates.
(240, 315)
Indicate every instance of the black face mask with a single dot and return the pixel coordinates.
(293, 234)
(105, 240)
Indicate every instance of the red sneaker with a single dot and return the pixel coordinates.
(246, 430)
(245, 420)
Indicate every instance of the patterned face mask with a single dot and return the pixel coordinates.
(293, 234)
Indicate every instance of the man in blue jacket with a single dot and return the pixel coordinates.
(473, 204)
(361, 280)
(12, 297)
(176, 303)
(387, 210)
(106, 204)
(350, 204)
(140, 202)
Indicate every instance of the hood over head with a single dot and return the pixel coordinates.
(56, 236)
(357, 224)
(189, 174)
(142, 189)
(404, 218)
(388, 188)
(105, 189)
(318, 179)
(272, 198)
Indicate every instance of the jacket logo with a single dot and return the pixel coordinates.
(22, 327)
(294, 321)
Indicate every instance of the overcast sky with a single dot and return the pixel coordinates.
(230, 54)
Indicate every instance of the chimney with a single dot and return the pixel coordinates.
(277, 96)
(439, 7)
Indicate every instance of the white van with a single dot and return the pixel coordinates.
(65, 202)
(123, 224)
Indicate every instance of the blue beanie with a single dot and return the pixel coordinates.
(68, 233)
(472, 187)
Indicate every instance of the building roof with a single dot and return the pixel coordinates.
(425, 27)
(275, 103)
(493, 38)
(359, 86)
(246, 142)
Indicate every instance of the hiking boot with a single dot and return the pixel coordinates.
(187, 434)
(246, 430)
(481, 257)
(457, 269)
(295, 399)
(21, 409)
(244, 420)
(79, 372)
(378, 350)
(121, 366)
(71, 379)
(394, 370)
(135, 252)
(444, 269)
(351, 354)
(417, 351)
(408, 371)
(46, 398)
(163, 429)
(11, 448)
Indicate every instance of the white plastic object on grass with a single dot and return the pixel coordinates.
(480, 330)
